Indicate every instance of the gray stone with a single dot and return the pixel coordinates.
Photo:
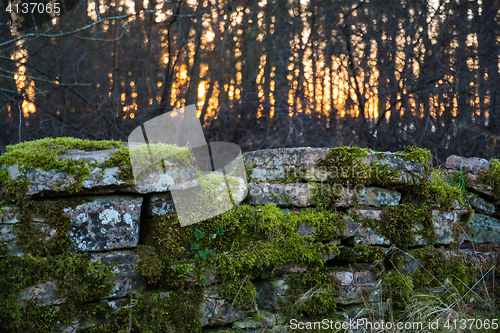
(43, 293)
(281, 164)
(475, 183)
(105, 223)
(301, 195)
(376, 196)
(443, 222)
(101, 179)
(474, 165)
(9, 214)
(483, 228)
(292, 194)
(480, 205)
(216, 310)
(284, 163)
(126, 278)
(359, 233)
(160, 204)
(305, 230)
(357, 285)
(269, 292)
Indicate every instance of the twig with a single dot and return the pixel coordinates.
(234, 300)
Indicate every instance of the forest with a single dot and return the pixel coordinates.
(382, 74)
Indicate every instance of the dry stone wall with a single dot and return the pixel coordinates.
(320, 235)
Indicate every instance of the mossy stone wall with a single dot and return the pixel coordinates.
(323, 234)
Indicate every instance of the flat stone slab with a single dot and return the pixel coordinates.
(292, 194)
(278, 165)
(301, 195)
(283, 163)
(443, 223)
(125, 266)
(160, 204)
(483, 228)
(105, 223)
(124, 280)
(474, 165)
(101, 179)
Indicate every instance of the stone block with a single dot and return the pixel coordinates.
(483, 228)
(105, 223)
(125, 279)
(101, 180)
(292, 194)
(474, 165)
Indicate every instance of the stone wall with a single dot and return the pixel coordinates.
(332, 234)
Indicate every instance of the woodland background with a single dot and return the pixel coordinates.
(381, 74)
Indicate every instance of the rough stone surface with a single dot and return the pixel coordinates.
(358, 233)
(100, 180)
(474, 183)
(301, 195)
(293, 194)
(357, 286)
(483, 228)
(215, 310)
(480, 205)
(376, 196)
(105, 223)
(284, 163)
(160, 204)
(277, 165)
(362, 234)
(124, 280)
(474, 165)
(269, 292)
(126, 277)
(443, 222)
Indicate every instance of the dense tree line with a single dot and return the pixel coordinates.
(275, 73)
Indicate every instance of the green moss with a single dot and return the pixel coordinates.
(398, 288)
(442, 192)
(156, 311)
(448, 276)
(492, 176)
(78, 281)
(256, 242)
(148, 159)
(44, 154)
(248, 170)
(310, 295)
(346, 165)
(404, 223)
(421, 155)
